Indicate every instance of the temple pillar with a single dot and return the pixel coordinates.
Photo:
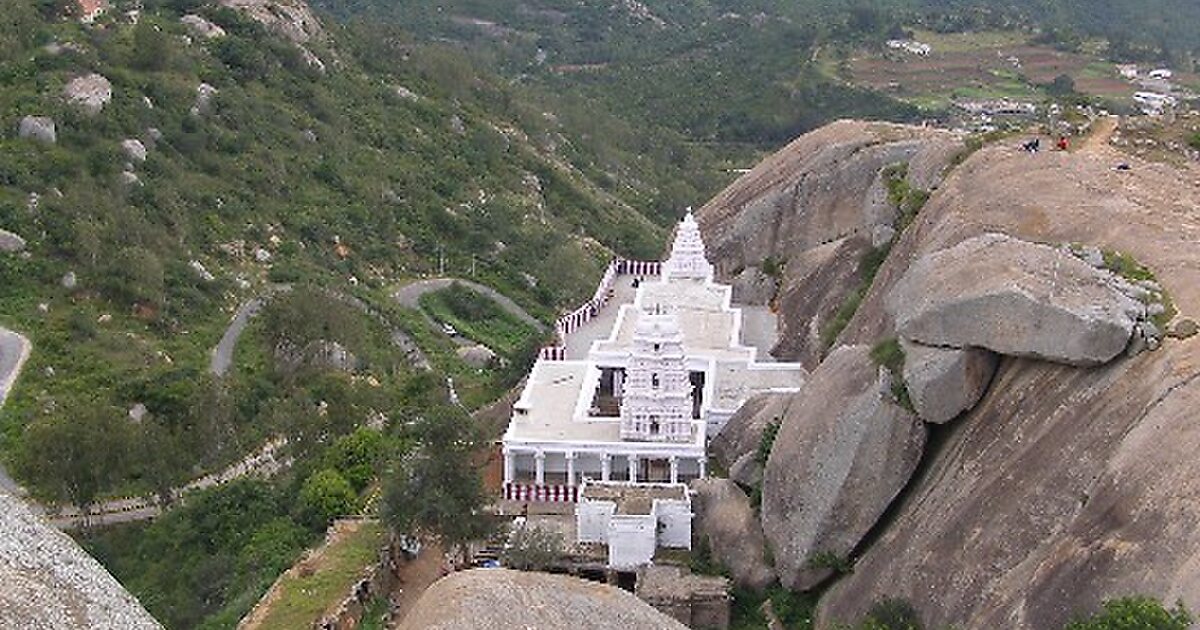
(539, 459)
(633, 468)
(510, 468)
(605, 467)
(570, 468)
(674, 469)
(703, 465)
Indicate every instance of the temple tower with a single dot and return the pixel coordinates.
(656, 401)
(687, 258)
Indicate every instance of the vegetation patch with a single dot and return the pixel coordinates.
(324, 579)
(1135, 613)
(890, 355)
(479, 318)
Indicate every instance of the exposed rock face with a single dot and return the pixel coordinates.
(204, 97)
(844, 451)
(752, 286)
(134, 150)
(201, 27)
(477, 356)
(817, 205)
(40, 128)
(50, 583)
(1015, 298)
(89, 93)
(944, 382)
(10, 243)
(817, 283)
(292, 19)
(725, 518)
(743, 433)
(820, 188)
(500, 598)
(1063, 486)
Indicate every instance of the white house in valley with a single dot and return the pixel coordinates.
(642, 376)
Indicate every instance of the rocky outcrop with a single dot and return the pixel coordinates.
(944, 382)
(500, 598)
(292, 19)
(89, 93)
(1015, 298)
(817, 283)
(1063, 486)
(476, 355)
(815, 207)
(843, 453)
(204, 97)
(201, 27)
(10, 243)
(40, 128)
(134, 150)
(742, 434)
(50, 583)
(820, 188)
(725, 519)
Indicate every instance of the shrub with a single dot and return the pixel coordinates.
(766, 442)
(325, 496)
(532, 549)
(889, 354)
(832, 561)
(891, 614)
(1135, 613)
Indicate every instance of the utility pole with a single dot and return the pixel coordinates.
(441, 259)
(472, 265)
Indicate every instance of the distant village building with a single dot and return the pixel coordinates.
(1128, 71)
(910, 46)
(996, 107)
(1153, 103)
(91, 10)
(659, 374)
(1161, 74)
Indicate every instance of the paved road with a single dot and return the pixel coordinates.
(222, 355)
(14, 350)
(410, 295)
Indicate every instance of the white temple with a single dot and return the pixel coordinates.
(640, 400)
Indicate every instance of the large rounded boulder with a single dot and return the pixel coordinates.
(501, 599)
(845, 450)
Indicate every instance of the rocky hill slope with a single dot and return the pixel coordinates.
(49, 582)
(1064, 478)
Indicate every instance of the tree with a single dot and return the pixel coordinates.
(434, 489)
(151, 48)
(1135, 613)
(75, 456)
(325, 496)
(356, 455)
(1063, 85)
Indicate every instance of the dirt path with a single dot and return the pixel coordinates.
(415, 576)
(1102, 131)
(14, 351)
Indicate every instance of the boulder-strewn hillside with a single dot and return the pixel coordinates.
(500, 598)
(49, 582)
(1063, 485)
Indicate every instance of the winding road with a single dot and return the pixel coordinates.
(14, 351)
(410, 294)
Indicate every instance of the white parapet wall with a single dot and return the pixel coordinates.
(632, 540)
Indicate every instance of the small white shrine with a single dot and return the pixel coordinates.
(634, 520)
(642, 376)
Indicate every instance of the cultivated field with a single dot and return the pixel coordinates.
(982, 65)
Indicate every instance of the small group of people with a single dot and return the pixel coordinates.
(1035, 145)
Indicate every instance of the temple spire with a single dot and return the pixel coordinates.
(656, 401)
(687, 258)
